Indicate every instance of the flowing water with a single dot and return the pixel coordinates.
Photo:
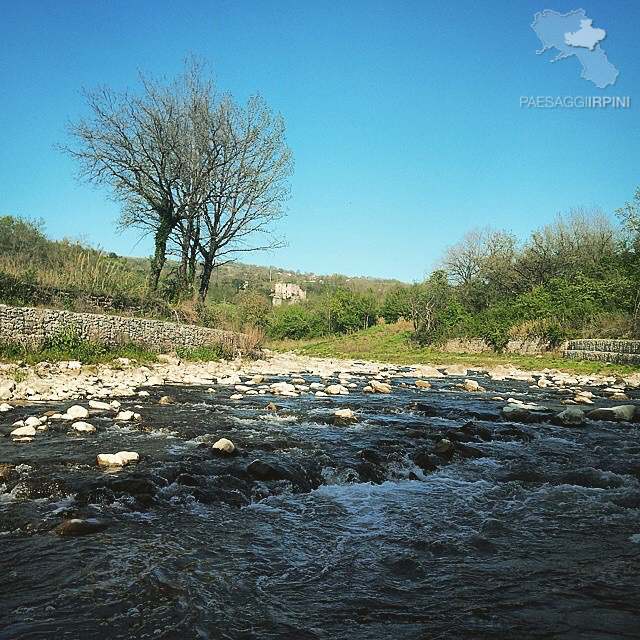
(354, 532)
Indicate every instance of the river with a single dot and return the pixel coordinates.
(370, 530)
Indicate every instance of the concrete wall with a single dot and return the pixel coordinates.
(618, 351)
(31, 326)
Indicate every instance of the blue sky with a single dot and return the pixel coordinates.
(403, 117)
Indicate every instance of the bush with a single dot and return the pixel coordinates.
(294, 322)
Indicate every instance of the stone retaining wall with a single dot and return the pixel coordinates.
(476, 345)
(29, 326)
(618, 351)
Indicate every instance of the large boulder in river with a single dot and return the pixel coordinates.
(517, 413)
(621, 413)
(570, 417)
(264, 471)
(380, 387)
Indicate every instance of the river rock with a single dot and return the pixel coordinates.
(621, 413)
(517, 413)
(125, 416)
(444, 447)
(344, 417)
(570, 417)
(263, 471)
(23, 432)
(78, 527)
(6, 471)
(423, 384)
(456, 370)
(77, 412)
(117, 459)
(281, 388)
(336, 390)
(472, 385)
(380, 387)
(83, 427)
(4, 407)
(236, 396)
(224, 446)
(32, 421)
(101, 406)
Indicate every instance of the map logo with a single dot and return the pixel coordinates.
(573, 34)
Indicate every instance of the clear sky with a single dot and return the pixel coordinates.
(404, 117)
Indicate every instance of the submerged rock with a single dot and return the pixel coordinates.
(78, 527)
(264, 471)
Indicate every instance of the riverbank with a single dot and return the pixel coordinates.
(388, 343)
(122, 377)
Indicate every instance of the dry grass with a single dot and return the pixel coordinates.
(68, 266)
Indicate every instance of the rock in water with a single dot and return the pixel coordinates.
(571, 417)
(621, 413)
(224, 447)
(335, 390)
(423, 384)
(380, 387)
(78, 527)
(517, 413)
(117, 459)
(22, 432)
(77, 412)
(344, 417)
(472, 385)
(102, 406)
(83, 427)
(263, 471)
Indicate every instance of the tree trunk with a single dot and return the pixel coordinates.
(205, 278)
(193, 259)
(160, 254)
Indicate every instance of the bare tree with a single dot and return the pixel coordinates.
(153, 149)
(247, 188)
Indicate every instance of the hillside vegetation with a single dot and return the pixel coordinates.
(577, 277)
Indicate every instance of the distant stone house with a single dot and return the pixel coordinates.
(287, 292)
